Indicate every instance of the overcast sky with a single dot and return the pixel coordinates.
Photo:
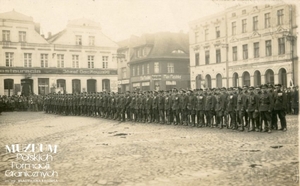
(119, 19)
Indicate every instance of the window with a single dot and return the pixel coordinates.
(244, 25)
(90, 61)
(9, 59)
(105, 61)
(143, 69)
(256, 50)
(91, 40)
(206, 57)
(170, 67)
(233, 14)
(44, 60)
(218, 56)
(138, 70)
(244, 12)
(60, 60)
(234, 53)
(124, 73)
(22, 36)
(144, 51)
(267, 20)
(217, 32)
(280, 17)
(255, 23)
(148, 69)
(196, 37)
(75, 61)
(197, 59)
(78, 40)
(268, 48)
(133, 71)
(233, 25)
(206, 34)
(281, 46)
(5, 35)
(245, 51)
(27, 60)
(156, 67)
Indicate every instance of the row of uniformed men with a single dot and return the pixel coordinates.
(233, 107)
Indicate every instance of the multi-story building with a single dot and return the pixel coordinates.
(78, 59)
(260, 45)
(154, 62)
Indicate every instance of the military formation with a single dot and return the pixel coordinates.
(247, 108)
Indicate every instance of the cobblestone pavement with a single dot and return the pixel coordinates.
(96, 151)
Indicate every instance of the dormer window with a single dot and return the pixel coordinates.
(78, 40)
(244, 12)
(233, 14)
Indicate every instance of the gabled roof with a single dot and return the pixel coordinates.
(13, 15)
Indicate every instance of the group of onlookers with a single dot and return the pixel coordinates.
(21, 103)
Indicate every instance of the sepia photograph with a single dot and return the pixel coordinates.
(149, 92)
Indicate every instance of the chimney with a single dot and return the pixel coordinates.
(49, 34)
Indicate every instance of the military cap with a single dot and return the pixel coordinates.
(251, 88)
(278, 85)
(230, 88)
(191, 91)
(264, 86)
(245, 87)
(201, 89)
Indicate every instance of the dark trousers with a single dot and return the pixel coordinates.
(200, 117)
(281, 114)
(266, 118)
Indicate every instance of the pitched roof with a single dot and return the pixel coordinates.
(55, 36)
(13, 15)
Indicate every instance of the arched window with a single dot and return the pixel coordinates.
(282, 78)
(208, 81)
(235, 80)
(269, 76)
(219, 80)
(61, 84)
(8, 87)
(106, 84)
(246, 78)
(257, 78)
(91, 85)
(198, 81)
(76, 86)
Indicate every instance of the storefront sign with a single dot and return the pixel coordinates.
(170, 82)
(135, 84)
(18, 70)
(156, 77)
(125, 81)
(145, 78)
(145, 83)
(172, 76)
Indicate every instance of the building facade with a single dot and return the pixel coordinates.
(258, 47)
(154, 62)
(78, 59)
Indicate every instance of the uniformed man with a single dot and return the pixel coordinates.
(155, 107)
(265, 108)
(209, 108)
(280, 102)
(160, 106)
(148, 107)
(199, 108)
(167, 107)
(252, 104)
(241, 107)
(191, 110)
(175, 106)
